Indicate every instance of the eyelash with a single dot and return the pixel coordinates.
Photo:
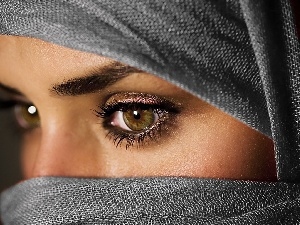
(16, 105)
(7, 104)
(166, 114)
(164, 109)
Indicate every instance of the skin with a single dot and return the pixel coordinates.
(202, 141)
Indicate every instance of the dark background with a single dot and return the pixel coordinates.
(9, 150)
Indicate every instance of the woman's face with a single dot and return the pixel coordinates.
(84, 115)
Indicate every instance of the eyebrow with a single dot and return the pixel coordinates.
(97, 80)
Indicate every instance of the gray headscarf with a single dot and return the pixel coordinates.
(241, 56)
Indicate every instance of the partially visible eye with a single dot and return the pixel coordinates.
(27, 116)
(137, 117)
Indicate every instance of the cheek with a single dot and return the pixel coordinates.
(218, 146)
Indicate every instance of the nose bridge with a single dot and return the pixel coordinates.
(56, 152)
(67, 143)
(66, 148)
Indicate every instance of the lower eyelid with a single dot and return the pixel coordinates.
(134, 139)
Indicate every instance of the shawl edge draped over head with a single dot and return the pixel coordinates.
(241, 56)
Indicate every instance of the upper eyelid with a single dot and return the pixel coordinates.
(6, 104)
(9, 90)
(141, 98)
(8, 94)
(9, 103)
(9, 99)
(19, 99)
(108, 110)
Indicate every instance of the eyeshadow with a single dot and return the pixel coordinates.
(140, 98)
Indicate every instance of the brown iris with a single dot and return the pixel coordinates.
(139, 119)
(27, 116)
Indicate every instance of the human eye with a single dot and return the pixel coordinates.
(25, 113)
(137, 118)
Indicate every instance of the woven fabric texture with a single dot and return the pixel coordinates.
(241, 56)
(150, 201)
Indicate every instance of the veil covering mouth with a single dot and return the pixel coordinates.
(240, 56)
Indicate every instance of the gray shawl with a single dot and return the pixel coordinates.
(241, 56)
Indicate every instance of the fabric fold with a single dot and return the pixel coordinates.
(277, 51)
(225, 52)
(201, 46)
(165, 200)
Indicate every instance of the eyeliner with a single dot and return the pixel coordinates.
(6, 104)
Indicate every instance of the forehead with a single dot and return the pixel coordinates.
(23, 57)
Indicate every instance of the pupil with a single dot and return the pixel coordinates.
(136, 115)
